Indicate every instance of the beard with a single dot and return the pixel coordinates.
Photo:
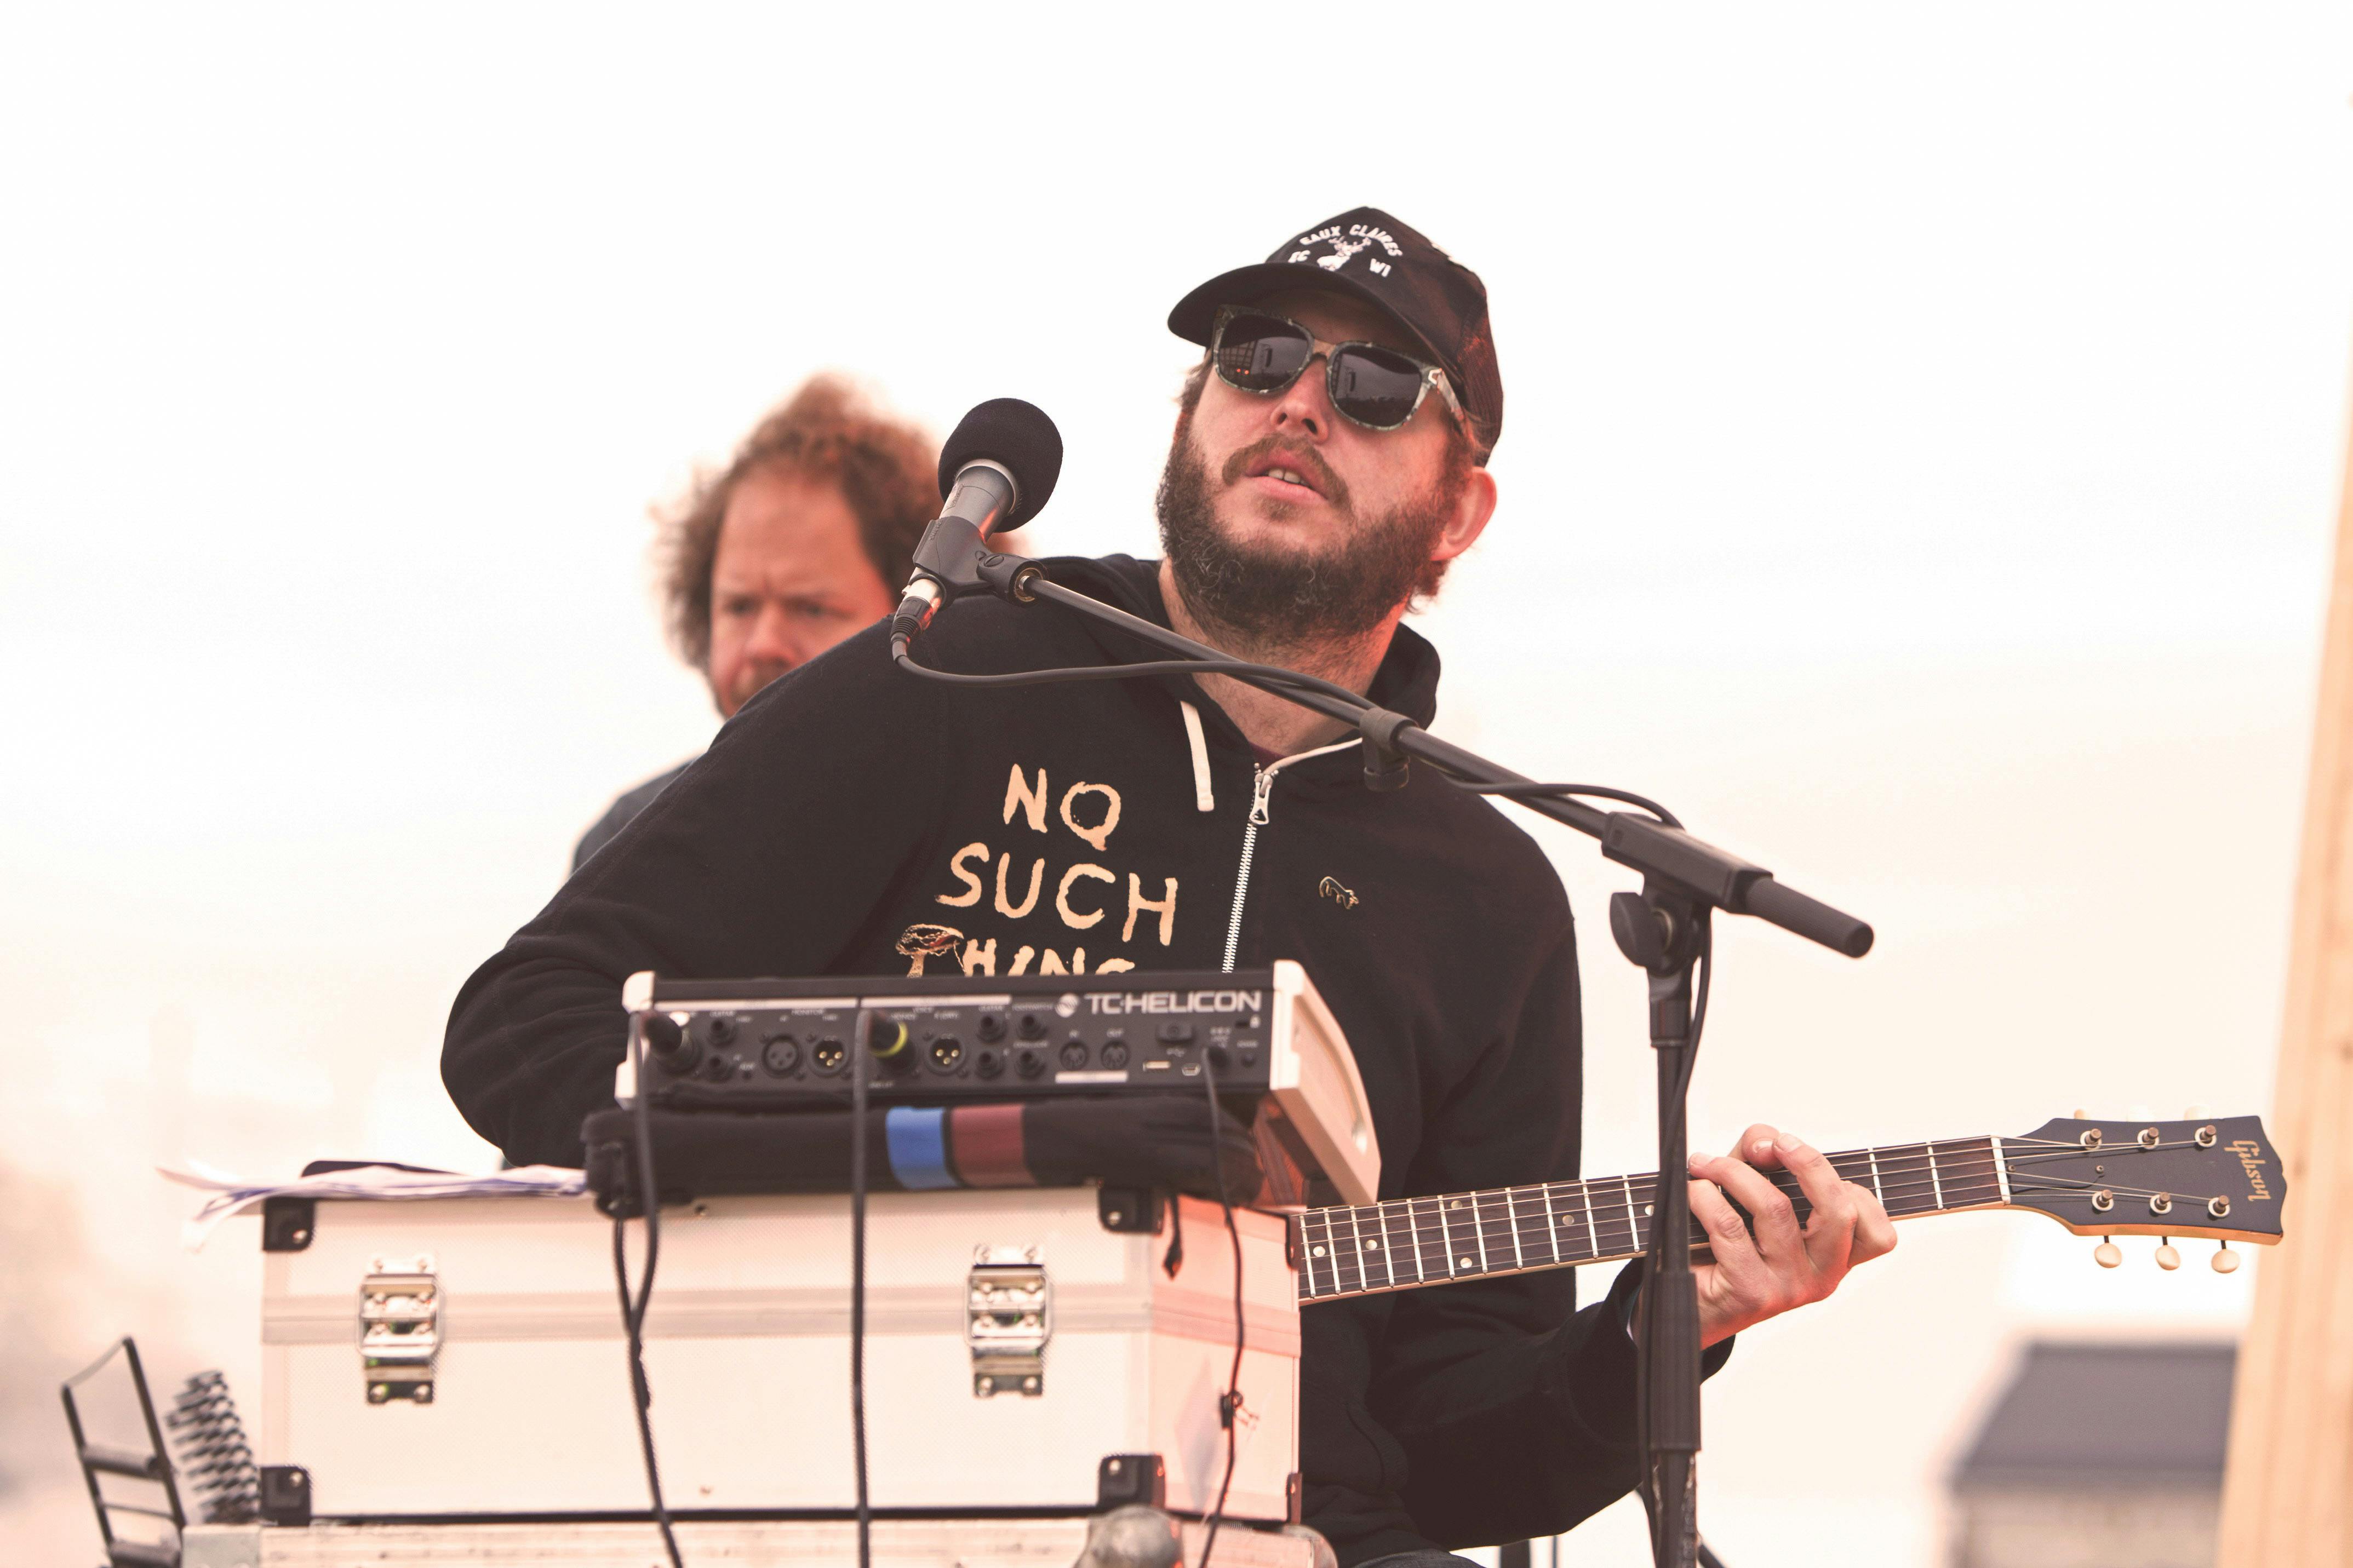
(1266, 596)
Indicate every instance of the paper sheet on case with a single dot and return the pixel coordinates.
(234, 1194)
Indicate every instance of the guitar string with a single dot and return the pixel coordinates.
(1366, 1283)
(1502, 1203)
(1614, 1192)
(1884, 1188)
(1616, 1236)
(1340, 1266)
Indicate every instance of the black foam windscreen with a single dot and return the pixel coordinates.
(1017, 435)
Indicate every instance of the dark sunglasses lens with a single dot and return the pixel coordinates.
(1259, 354)
(1374, 386)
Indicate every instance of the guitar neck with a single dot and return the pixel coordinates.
(1410, 1242)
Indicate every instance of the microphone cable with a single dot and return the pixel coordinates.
(1240, 669)
(857, 1069)
(633, 1312)
(1543, 791)
(1266, 677)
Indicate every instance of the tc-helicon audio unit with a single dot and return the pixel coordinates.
(781, 1044)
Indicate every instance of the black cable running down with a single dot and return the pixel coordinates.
(1230, 1403)
(633, 1313)
(857, 1069)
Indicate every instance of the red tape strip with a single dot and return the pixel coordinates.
(984, 1146)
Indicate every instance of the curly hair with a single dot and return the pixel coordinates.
(886, 470)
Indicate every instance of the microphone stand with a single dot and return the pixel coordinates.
(1665, 928)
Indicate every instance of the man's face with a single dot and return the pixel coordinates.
(791, 580)
(1283, 518)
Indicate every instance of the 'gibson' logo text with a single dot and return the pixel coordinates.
(2251, 1160)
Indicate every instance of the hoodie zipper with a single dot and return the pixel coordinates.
(1262, 790)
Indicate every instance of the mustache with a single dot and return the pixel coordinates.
(1334, 489)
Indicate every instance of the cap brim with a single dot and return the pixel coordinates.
(1196, 315)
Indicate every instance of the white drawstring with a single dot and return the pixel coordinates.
(1203, 799)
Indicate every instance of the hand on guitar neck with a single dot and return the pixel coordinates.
(1771, 1262)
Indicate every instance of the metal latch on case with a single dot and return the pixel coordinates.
(400, 1329)
(1008, 1318)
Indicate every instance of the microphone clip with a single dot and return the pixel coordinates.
(953, 558)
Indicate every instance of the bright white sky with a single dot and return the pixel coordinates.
(1924, 434)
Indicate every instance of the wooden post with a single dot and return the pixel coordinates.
(2287, 1502)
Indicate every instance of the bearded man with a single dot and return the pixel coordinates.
(1329, 461)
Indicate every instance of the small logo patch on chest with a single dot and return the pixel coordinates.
(1331, 889)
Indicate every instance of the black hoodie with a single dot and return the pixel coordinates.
(853, 819)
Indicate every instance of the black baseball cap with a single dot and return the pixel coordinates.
(1367, 253)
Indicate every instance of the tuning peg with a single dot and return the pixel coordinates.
(2225, 1260)
(2168, 1257)
(2107, 1255)
(2194, 1113)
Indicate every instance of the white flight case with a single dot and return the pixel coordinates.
(453, 1359)
(897, 1544)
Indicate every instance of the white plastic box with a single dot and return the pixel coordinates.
(500, 1380)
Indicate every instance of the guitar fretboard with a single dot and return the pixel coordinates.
(1406, 1242)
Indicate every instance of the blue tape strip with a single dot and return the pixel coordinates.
(918, 1147)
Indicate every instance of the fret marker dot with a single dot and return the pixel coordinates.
(1372, 1246)
(1319, 1252)
(1466, 1263)
(1646, 1211)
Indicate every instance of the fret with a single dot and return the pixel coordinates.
(1357, 1248)
(1446, 1235)
(2001, 1167)
(1477, 1231)
(1973, 1187)
(1565, 1222)
(1934, 1181)
(1413, 1225)
(1388, 1243)
(1876, 1190)
(1592, 1236)
(1512, 1217)
(1901, 1172)
(1552, 1226)
(1633, 1225)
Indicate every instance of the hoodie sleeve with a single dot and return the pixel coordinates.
(765, 857)
(1493, 1410)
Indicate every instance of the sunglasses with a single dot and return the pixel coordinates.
(1375, 387)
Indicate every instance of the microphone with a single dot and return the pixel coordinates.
(997, 472)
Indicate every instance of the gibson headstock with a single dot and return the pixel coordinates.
(2214, 1177)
